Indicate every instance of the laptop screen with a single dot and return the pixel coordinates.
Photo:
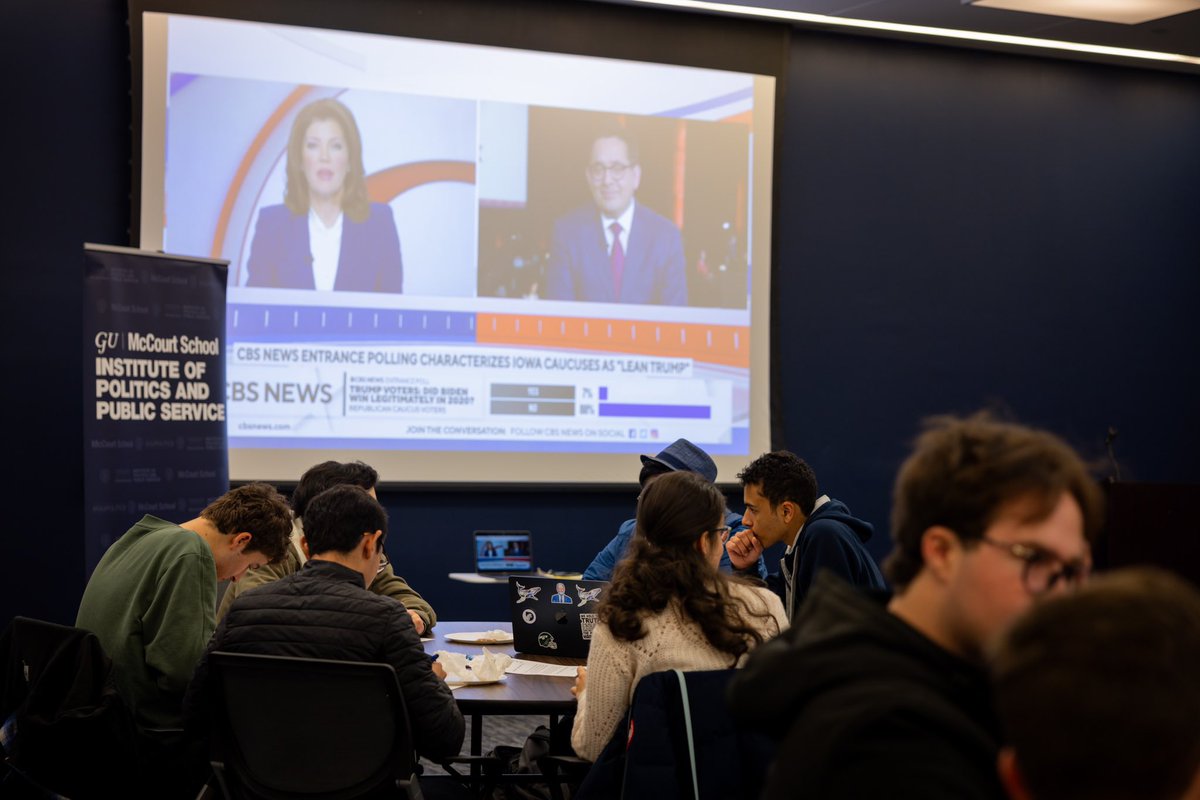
(503, 551)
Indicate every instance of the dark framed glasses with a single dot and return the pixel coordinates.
(598, 172)
(1043, 569)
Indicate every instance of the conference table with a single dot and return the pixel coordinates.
(516, 694)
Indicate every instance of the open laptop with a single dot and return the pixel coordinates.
(502, 553)
(553, 616)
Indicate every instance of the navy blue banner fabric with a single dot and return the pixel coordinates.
(154, 390)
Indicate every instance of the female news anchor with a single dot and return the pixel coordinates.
(668, 606)
(327, 235)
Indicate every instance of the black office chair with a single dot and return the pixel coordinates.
(680, 743)
(66, 731)
(309, 728)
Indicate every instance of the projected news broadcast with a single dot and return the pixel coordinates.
(439, 249)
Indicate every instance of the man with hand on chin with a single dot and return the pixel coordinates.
(780, 493)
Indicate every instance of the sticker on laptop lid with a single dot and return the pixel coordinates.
(587, 595)
(524, 594)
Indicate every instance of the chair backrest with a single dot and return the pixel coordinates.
(307, 727)
(684, 743)
(66, 729)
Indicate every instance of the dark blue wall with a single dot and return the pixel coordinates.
(66, 140)
(954, 229)
(430, 536)
(960, 229)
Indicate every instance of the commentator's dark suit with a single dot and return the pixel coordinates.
(580, 267)
(369, 260)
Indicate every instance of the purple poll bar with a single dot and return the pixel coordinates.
(651, 410)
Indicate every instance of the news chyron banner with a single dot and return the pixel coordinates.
(154, 389)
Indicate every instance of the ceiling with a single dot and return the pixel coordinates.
(1179, 34)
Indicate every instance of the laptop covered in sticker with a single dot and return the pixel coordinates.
(553, 616)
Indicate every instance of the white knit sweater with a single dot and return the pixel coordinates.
(672, 641)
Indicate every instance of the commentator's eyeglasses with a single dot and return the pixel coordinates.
(383, 563)
(722, 532)
(597, 171)
(1043, 568)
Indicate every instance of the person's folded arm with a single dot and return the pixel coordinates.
(388, 584)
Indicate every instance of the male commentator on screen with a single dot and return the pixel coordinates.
(617, 251)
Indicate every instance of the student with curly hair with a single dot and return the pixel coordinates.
(668, 606)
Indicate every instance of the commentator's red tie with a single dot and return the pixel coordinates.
(618, 258)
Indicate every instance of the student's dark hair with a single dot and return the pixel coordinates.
(663, 566)
(1099, 691)
(616, 132)
(257, 509)
(652, 470)
(328, 474)
(964, 473)
(781, 476)
(338, 517)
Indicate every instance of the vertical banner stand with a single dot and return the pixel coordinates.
(154, 389)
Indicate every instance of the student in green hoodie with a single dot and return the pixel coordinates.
(152, 598)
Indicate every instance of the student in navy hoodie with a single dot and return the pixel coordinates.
(780, 492)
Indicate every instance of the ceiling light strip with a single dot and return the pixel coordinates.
(923, 30)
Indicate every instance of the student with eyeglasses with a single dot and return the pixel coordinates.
(871, 696)
(668, 607)
(615, 249)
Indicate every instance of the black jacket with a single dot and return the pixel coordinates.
(64, 725)
(323, 611)
(865, 706)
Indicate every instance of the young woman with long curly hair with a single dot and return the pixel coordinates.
(668, 606)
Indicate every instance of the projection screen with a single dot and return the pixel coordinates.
(424, 272)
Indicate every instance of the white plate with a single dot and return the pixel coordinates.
(454, 684)
(478, 637)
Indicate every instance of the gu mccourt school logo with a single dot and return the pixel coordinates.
(136, 342)
(107, 340)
